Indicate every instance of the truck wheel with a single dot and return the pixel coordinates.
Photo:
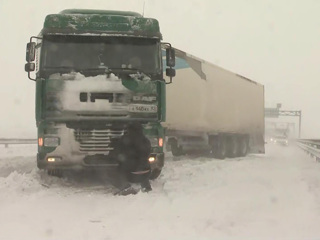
(175, 149)
(243, 147)
(220, 148)
(233, 147)
(155, 173)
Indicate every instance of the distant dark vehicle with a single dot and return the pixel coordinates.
(280, 140)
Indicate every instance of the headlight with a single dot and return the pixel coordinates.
(51, 142)
(53, 159)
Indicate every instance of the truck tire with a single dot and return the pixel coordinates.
(155, 173)
(243, 147)
(233, 147)
(175, 149)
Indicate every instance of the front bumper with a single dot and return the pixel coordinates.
(83, 148)
(78, 162)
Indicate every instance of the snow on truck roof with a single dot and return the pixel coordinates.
(104, 12)
(86, 21)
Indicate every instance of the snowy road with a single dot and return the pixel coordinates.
(272, 196)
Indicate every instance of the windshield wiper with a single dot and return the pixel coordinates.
(120, 70)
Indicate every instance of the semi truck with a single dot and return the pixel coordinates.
(96, 71)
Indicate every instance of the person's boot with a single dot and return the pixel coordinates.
(146, 186)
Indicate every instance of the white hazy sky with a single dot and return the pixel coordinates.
(274, 42)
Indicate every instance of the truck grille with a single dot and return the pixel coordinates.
(97, 141)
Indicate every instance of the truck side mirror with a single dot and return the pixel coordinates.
(29, 67)
(170, 72)
(170, 57)
(31, 52)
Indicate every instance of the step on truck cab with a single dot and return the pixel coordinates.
(95, 71)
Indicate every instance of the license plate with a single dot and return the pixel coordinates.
(140, 108)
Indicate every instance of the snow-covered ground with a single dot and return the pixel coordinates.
(272, 196)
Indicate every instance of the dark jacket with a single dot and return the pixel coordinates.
(133, 150)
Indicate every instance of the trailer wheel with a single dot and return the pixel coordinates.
(220, 148)
(175, 149)
(243, 147)
(233, 147)
(155, 173)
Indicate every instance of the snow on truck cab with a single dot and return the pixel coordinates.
(96, 71)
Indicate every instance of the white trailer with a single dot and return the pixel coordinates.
(212, 110)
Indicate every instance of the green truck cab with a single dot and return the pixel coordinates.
(96, 71)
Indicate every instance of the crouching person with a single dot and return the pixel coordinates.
(132, 153)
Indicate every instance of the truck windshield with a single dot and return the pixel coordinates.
(91, 55)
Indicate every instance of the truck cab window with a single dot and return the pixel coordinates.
(86, 54)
